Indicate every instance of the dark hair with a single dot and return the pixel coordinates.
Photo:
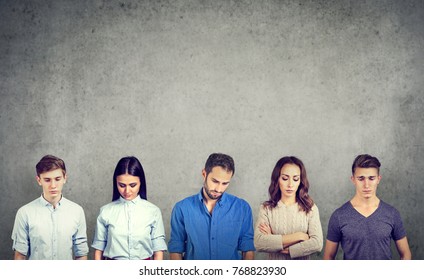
(50, 163)
(222, 160)
(302, 197)
(132, 166)
(366, 161)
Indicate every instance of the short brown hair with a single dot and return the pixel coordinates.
(50, 163)
(222, 160)
(366, 161)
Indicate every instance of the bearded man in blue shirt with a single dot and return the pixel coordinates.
(212, 225)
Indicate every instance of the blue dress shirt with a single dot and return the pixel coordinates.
(221, 235)
(42, 232)
(129, 230)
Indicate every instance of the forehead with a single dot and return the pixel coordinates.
(52, 173)
(290, 169)
(365, 172)
(220, 174)
(127, 178)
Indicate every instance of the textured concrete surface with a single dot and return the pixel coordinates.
(173, 81)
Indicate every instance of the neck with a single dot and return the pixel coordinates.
(210, 203)
(288, 200)
(365, 202)
(53, 201)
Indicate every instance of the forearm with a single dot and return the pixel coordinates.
(267, 242)
(406, 256)
(330, 250)
(403, 249)
(98, 255)
(249, 255)
(293, 238)
(19, 256)
(158, 255)
(176, 256)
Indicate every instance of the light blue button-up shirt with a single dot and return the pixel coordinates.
(222, 235)
(42, 232)
(129, 230)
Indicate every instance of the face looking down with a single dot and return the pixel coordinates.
(289, 180)
(128, 186)
(216, 182)
(366, 181)
(52, 183)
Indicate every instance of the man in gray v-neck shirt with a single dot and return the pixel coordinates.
(365, 225)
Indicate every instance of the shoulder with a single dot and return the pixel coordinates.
(70, 204)
(237, 201)
(314, 209)
(149, 205)
(30, 207)
(388, 208)
(345, 207)
(110, 205)
(190, 200)
(343, 210)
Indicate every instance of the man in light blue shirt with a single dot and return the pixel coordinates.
(212, 225)
(50, 227)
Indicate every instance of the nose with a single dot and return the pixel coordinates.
(366, 183)
(53, 185)
(219, 188)
(290, 183)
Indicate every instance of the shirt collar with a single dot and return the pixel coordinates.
(136, 200)
(44, 202)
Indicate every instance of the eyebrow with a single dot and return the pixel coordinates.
(132, 183)
(289, 175)
(227, 182)
(50, 178)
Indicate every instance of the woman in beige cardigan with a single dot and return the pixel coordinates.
(288, 224)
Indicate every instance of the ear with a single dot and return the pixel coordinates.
(65, 177)
(352, 178)
(38, 180)
(204, 175)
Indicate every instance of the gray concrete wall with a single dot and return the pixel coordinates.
(173, 81)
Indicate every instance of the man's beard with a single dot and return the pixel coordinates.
(209, 194)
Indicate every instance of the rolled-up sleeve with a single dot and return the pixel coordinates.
(177, 242)
(157, 234)
(100, 234)
(80, 237)
(246, 241)
(20, 233)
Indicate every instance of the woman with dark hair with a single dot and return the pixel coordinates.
(129, 227)
(288, 224)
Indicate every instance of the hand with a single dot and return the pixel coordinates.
(285, 251)
(265, 229)
(303, 236)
